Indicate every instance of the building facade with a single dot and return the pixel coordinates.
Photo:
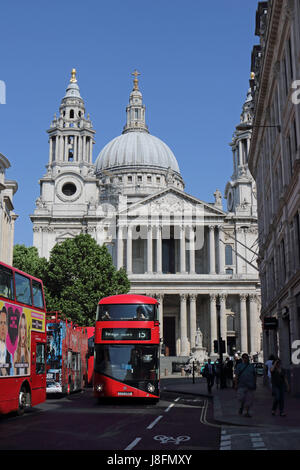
(192, 255)
(274, 161)
(7, 216)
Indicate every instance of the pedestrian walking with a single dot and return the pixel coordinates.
(245, 384)
(268, 365)
(228, 369)
(209, 373)
(279, 385)
(218, 373)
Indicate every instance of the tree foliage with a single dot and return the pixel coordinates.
(78, 274)
(27, 259)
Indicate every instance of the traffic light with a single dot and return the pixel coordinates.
(216, 346)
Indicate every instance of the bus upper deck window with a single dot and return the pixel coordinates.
(23, 291)
(37, 292)
(6, 283)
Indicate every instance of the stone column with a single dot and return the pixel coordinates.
(223, 319)
(120, 246)
(183, 326)
(84, 148)
(129, 249)
(192, 249)
(66, 146)
(193, 319)
(91, 150)
(159, 250)
(221, 251)
(79, 148)
(149, 250)
(243, 323)
(254, 324)
(50, 150)
(182, 249)
(212, 256)
(213, 321)
(75, 148)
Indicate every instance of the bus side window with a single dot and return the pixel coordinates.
(23, 291)
(37, 292)
(6, 283)
(40, 358)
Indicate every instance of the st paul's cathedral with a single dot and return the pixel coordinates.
(196, 258)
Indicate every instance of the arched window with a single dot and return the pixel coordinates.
(72, 114)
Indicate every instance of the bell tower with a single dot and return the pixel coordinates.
(71, 135)
(240, 192)
(69, 190)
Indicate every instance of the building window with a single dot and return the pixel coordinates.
(283, 260)
(72, 114)
(230, 323)
(69, 189)
(129, 179)
(297, 235)
(228, 255)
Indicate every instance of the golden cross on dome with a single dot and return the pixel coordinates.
(135, 81)
(73, 76)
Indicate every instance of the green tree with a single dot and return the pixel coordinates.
(79, 274)
(27, 259)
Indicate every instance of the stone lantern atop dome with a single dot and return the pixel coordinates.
(135, 111)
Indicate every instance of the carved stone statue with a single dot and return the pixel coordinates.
(218, 198)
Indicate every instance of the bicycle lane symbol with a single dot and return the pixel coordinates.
(172, 440)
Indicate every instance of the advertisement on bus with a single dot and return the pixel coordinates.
(16, 325)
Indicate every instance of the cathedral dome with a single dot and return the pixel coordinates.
(136, 149)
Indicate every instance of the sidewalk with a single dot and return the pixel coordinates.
(226, 405)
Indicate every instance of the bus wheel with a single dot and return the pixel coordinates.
(22, 401)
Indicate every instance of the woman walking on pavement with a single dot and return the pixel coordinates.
(245, 384)
(279, 382)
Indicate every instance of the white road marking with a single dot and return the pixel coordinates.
(169, 407)
(133, 444)
(154, 422)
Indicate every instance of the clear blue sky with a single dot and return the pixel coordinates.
(194, 59)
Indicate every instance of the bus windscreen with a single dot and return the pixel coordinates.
(126, 312)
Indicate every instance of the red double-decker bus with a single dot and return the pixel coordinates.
(67, 355)
(22, 340)
(126, 360)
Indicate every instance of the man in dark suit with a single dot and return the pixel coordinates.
(209, 373)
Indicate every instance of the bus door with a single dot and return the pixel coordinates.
(38, 369)
(76, 366)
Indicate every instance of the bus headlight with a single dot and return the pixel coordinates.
(99, 388)
(150, 388)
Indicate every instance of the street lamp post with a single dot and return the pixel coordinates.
(220, 349)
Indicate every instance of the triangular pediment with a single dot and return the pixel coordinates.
(173, 201)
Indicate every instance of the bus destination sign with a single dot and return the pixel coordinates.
(126, 334)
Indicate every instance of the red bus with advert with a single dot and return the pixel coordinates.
(127, 341)
(67, 355)
(22, 340)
